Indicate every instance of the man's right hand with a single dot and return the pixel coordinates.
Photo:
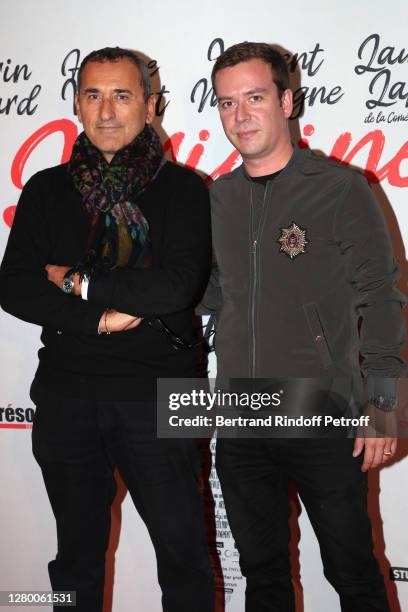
(113, 321)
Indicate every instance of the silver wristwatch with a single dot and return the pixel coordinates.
(386, 404)
(68, 283)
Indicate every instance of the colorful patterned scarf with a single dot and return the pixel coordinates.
(119, 232)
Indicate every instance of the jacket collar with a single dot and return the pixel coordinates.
(299, 156)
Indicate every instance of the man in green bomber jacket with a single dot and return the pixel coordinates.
(302, 252)
(109, 254)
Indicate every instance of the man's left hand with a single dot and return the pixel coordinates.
(56, 275)
(377, 451)
(378, 438)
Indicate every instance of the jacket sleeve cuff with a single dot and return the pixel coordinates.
(382, 392)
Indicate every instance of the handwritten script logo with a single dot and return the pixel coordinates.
(380, 62)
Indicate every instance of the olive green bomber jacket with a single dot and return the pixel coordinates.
(304, 278)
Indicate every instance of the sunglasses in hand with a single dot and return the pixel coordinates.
(176, 341)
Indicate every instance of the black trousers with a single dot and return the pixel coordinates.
(254, 475)
(78, 444)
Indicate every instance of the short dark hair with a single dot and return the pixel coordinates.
(246, 51)
(114, 54)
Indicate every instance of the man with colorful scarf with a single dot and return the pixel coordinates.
(109, 254)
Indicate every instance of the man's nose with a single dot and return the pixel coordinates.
(106, 109)
(241, 111)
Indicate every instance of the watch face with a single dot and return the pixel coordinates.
(67, 285)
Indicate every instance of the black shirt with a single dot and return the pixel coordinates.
(267, 177)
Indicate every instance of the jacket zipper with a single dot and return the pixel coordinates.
(255, 237)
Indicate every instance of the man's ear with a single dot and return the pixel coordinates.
(150, 108)
(287, 103)
(78, 110)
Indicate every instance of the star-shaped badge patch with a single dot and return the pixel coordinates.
(293, 240)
